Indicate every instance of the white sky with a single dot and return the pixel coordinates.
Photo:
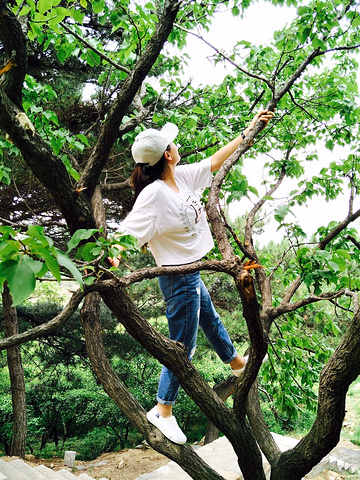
(261, 20)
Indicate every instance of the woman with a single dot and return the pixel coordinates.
(168, 215)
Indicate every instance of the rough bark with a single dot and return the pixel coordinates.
(259, 427)
(13, 39)
(17, 381)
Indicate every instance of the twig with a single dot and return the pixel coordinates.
(94, 49)
(243, 70)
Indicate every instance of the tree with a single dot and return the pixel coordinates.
(19, 429)
(311, 105)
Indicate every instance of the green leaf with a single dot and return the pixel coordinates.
(83, 138)
(79, 235)
(334, 266)
(343, 253)
(98, 7)
(199, 110)
(44, 5)
(78, 15)
(253, 190)
(51, 261)
(66, 262)
(20, 277)
(36, 231)
(356, 21)
(281, 212)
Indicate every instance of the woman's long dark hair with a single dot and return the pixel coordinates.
(143, 175)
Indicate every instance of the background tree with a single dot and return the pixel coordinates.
(74, 164)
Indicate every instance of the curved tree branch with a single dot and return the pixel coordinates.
(46, 328)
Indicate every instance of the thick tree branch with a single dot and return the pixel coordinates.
(46, 328)
(338, 229)
(13, 39)
(139, 275)
(291, 307)
(47, 167)
(109, 131)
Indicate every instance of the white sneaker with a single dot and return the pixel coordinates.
(167, 425)
(240, 371)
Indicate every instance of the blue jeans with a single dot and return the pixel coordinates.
(188, 305)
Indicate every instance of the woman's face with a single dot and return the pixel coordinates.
(174, 152)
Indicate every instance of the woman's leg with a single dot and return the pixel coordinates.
(215, 331)
(182, 296)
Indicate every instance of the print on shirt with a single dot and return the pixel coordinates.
(190, 225)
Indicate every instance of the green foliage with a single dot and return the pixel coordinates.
(25, 257)
(5, 411)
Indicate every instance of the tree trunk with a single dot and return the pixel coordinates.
(14, 44)
(17, 382)
(259, 427)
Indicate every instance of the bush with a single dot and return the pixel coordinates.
(95, 443)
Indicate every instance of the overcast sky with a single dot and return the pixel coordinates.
(261, 20)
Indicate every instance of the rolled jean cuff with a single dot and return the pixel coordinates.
(232, 357)
(165, 402)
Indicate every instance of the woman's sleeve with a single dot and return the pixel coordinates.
(141, 222)
(196, 175)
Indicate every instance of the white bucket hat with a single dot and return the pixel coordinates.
(150, 145)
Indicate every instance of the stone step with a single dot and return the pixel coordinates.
(10, 472)
(20, 470)
(26, 470)
(67, 475)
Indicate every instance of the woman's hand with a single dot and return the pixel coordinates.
(115, 262)
(221, 155)
(264, 116)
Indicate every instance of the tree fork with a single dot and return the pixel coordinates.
(337, 375)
